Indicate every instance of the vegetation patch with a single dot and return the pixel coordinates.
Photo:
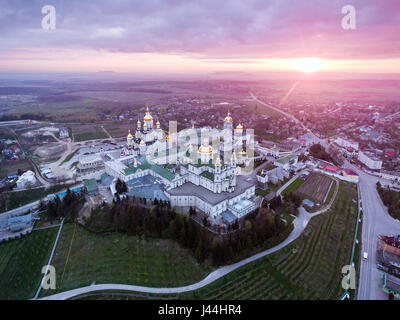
(93, 133)
(21, 262)
(308, 268)
(293, 186)
(391, 199)
(83, 257)
(10, 200)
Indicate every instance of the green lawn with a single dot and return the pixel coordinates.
(98, 133)
(309, 268)
(119, 258)
(69, 157)
(293, 186)
(261, 192)
(21, 263)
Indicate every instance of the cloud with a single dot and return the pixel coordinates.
(208, 29)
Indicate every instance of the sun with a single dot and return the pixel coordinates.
(307, 65)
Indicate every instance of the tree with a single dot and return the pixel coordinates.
(121, 186)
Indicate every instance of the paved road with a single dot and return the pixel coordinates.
(376, 220)
(20, 210)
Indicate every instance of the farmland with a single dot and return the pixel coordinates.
(120, 130)
(315, 187)
(21, 262)
(88, 132)
(308, 268)
(83, 257)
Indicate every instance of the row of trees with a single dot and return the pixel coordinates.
(290, 204)
(318, 151)
(67, 207)
(261, 229)
(121, 186)
(391, 199)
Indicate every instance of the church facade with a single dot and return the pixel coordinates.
(198, 179)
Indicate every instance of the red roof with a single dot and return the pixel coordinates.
(390, 153)
(350, 172)
(332, 168)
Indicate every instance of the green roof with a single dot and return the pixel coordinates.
(132, 170)
(154, 167)
(91, 185)
(286, 159)
(208, 175)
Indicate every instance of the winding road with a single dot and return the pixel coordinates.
(300, 223)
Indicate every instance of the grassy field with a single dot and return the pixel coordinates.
(119, 258)
(7, 167)
(21, 263)
(120, 130)
(293, 186)
(95, 133)
(69, 157)
(309, 268)
(261, 192)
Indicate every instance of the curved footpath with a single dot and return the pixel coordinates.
(300, 223)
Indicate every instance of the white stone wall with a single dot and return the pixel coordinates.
(371, 163)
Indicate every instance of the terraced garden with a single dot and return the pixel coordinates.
(309, 268)
(316, 187)
(83, 257)
(21, 263)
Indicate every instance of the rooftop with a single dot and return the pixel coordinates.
(154, 167)
(287, 159)
(91, 185)
(190, 189)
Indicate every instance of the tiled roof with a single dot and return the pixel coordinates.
(90, 184)
(154, 167)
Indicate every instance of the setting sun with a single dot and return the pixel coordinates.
(307, 64)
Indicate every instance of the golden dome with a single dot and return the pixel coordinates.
(158, 123)
(129, 135)
(228, 118)
(136, 134)
(239, 126)
(169, 136)
(145, 125)
(148, 117)
(138, 123)
(205, 148)
(142, 143)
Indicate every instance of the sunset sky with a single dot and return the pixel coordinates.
(200, 36)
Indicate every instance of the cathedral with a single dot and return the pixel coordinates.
(145, 136)
(198, 178)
